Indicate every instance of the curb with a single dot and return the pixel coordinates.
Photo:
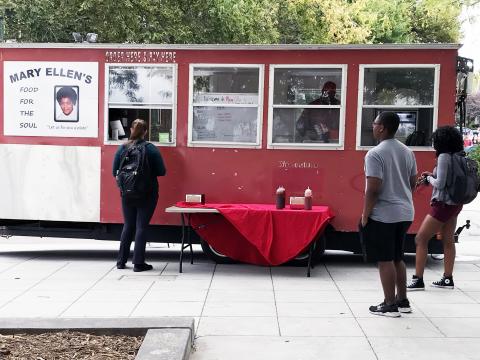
(166, 338)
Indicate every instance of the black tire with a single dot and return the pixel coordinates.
(318, 250)
(213, 254)
(300, 260)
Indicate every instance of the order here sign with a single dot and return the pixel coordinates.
(57, 99)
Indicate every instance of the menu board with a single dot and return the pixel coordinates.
(225, 124)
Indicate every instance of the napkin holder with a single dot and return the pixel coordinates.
(195, 198)
(297, 202)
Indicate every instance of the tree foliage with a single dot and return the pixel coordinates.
(437, 21)
(473, 107)
(235, 21)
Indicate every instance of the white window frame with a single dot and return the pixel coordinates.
(225, 144)
(140, 106)
(342, 107)
(361, 79)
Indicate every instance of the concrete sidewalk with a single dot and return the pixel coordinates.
(250, 312)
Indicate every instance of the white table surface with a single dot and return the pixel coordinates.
(190, 210)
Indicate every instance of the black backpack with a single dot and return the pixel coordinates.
(133, 175)
(417, 138)
(463, 181)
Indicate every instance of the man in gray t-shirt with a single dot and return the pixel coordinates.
(390, 171)
(394, 164)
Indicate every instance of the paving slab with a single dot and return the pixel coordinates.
(425, 348)
(165, 344)
(282, 348)
(238, 326)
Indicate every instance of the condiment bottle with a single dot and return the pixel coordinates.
(280, 198)
(308, 199)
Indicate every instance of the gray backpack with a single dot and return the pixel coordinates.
(463, 181)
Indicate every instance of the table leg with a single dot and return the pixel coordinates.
(189, 240)
(185, 234)
(183, 242)
(309, 264)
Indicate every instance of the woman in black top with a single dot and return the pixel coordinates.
(137, 214)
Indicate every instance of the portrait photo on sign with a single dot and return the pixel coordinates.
(66, 103)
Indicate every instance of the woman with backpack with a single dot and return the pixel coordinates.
(442, 218)
(136, 166)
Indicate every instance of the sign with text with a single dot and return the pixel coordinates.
(141, 56)
(226, 98)
(58, 99)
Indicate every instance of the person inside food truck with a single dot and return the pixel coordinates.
(67, 100)
(313, 125)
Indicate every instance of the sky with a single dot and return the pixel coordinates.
(471, 35)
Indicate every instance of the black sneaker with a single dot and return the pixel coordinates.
(446, 282)
(120, 265)
(142, 267)
(416, 284)
(383, 309)
(404, 306)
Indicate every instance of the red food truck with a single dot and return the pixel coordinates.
(233, 122)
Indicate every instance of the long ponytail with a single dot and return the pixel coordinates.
(139, 129)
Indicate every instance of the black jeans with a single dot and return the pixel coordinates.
(136, 219)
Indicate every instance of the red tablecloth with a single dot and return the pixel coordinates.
(259, 234)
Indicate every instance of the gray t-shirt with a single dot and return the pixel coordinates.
(394, 163)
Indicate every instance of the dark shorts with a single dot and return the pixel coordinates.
(444, 212)
(384, 241)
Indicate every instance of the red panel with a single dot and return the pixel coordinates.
(252, 176)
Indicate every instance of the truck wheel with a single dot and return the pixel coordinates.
(318, 250)
(213, 254)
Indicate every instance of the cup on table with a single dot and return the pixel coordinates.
(115, 134)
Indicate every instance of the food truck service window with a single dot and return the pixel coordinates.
(306, 106)
(225, 105)
(141, 91)
(409, 90)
